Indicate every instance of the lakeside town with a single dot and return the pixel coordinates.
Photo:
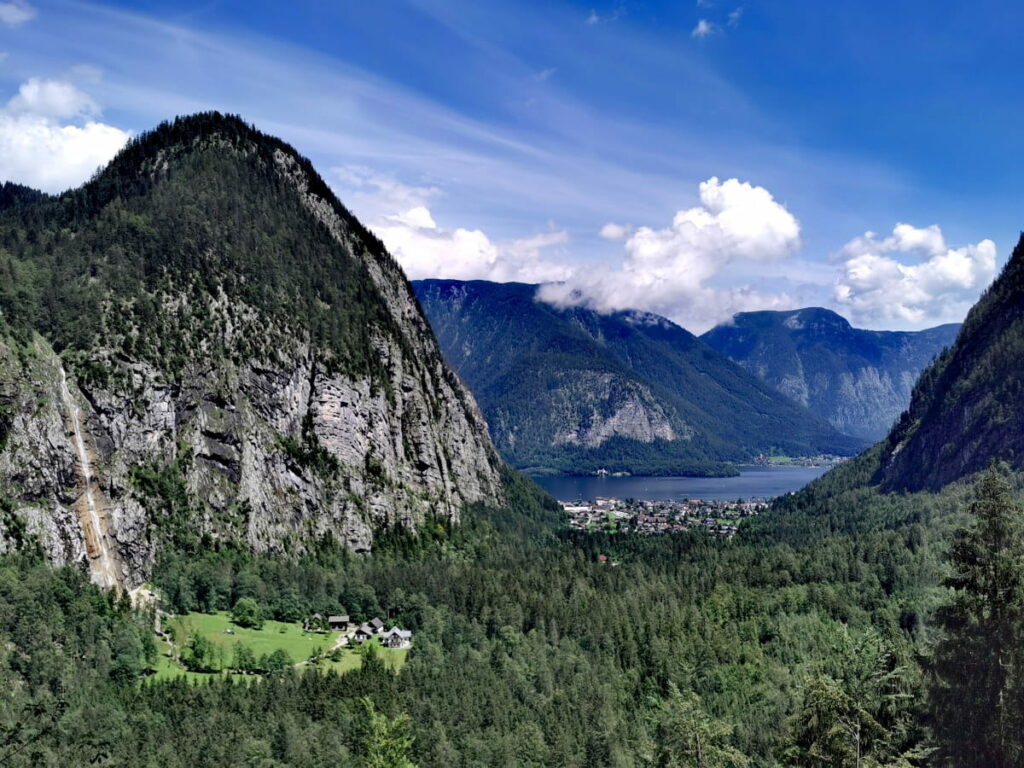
(655, 518)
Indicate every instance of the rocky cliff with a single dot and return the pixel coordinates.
(202, 346)
(575, 390)
(860, 381)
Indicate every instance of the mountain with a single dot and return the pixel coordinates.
(968, 407)
(202, 347)
(860, 381)
(966, 410)
(575, 390)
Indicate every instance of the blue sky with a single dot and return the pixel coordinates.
(739, 150)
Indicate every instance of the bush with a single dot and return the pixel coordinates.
(246, 613)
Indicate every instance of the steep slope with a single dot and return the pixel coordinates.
(575, 390)
(203, 346)
(967, 408)
(858, 380)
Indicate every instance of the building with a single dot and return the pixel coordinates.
(397, 638)
(364, 633)
(377, 624)
(338, 623)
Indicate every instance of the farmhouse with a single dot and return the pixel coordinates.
(338, 623)
(397, 638)
(364, 633)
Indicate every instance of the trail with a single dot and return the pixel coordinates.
(101, 562)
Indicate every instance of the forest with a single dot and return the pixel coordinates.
(812, 639)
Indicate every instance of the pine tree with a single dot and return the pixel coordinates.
(976, 665)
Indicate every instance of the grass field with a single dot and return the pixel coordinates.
(274, 635)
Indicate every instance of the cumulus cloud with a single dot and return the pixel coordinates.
(613, 231)
(703, 29)
(668, 270)
(50, 138)
(51, 98)
(912, 276)
(16, 13)
(426, 250)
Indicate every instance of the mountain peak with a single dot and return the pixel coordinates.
(217, 319)
(859, 380)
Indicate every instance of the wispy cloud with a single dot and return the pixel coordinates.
(735, 16)
(16, 13)
(704, 28)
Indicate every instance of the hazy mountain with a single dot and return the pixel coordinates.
(202, 344)
(860, 381)
(575, 390)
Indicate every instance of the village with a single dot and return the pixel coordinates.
(655, 518)
(354, 633)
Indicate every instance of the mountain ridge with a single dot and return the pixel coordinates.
(577, 390)
(858, 380)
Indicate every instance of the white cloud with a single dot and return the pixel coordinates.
(735, 16)
(668, 270)
(613, 231)
(51, 98)
(545, 74)
(703, 29)
(16, 13)
(376, 194)
(426, 250)
(49, 138)
(938, 285)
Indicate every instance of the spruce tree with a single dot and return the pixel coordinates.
(976, 665)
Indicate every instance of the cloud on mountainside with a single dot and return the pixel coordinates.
(697, 269)
(424, 249)
(939, 285)
(668, 270)
(50, 138)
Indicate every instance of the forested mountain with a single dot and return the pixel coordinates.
(858, 380)
(576, 390)
(202, 346)
(968, 408)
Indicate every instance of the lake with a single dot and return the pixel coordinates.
(753, 482)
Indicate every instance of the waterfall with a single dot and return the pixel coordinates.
(104, 571)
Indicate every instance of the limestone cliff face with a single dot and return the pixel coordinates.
(592, 408)
(860, 381)
(258, 432)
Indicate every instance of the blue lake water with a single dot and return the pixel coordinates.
(753, 482)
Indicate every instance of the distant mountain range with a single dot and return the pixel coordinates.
(860, 381)
(572, 390)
